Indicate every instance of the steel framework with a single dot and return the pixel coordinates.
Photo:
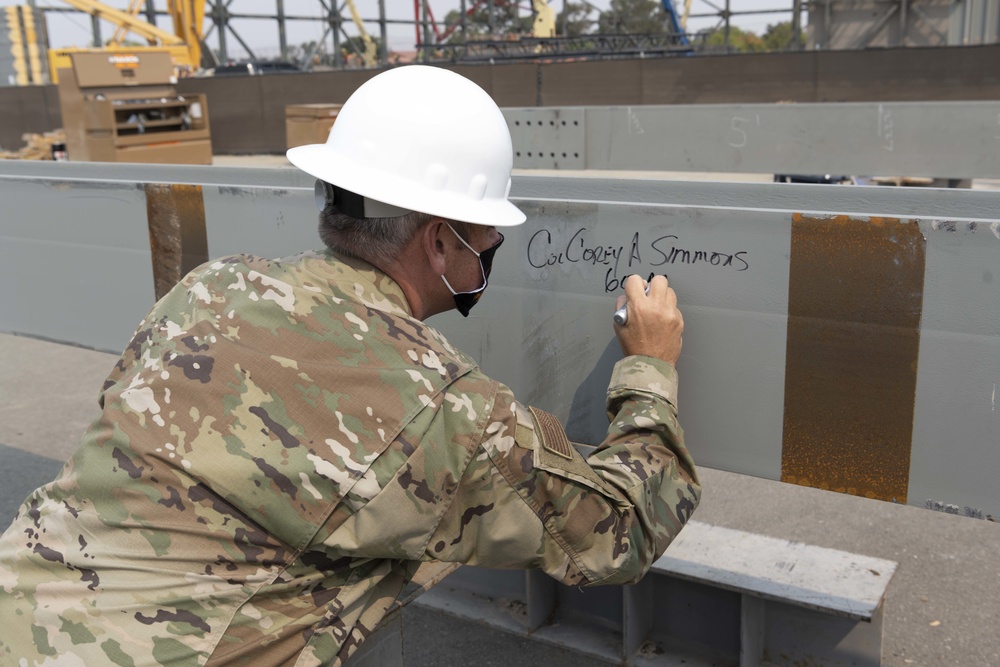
(860, 24)
(832, 24)
(558, 48)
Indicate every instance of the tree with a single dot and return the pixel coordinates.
(778, 37)
(505, 21)
(574, 19)
(739, 41)
(633, 17)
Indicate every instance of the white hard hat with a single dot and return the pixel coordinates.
(422, 139)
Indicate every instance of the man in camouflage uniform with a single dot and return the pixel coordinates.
(283, 442)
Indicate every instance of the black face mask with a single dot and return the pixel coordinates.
(464, 301)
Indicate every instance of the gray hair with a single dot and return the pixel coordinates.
(375, 240)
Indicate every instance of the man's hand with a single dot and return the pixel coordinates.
(655, 325)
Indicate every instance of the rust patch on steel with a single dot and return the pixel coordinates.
(177, 236)
(855, 298)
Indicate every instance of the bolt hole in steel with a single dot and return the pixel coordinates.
(517, 122)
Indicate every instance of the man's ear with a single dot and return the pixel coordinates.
(434, 243)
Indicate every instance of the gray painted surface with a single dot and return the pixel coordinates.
(717, 596)
(75, 260)
(825, 580)
(959, 370)
(556, 347)
(75, 267)
(927, 139)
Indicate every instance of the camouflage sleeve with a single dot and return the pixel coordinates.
(528, 499)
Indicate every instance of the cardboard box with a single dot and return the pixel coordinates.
(309, 123)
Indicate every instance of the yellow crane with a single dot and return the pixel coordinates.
(183, 44)
(23, 34)
(687, 13)
(370, 56)
(545, 19)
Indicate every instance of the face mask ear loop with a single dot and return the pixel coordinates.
(448, 285)
(454, 293)
(462, 240)
(482, 270)
(464, 301)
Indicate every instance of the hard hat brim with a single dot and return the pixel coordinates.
(320, 161)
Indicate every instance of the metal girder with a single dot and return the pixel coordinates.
(836, 336)
(859, 24)
(716, 597)
(532, 48)
(957, 140)
(125, 20)
(876, 27)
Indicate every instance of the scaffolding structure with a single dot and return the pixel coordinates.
(815, 24)
(559, 48)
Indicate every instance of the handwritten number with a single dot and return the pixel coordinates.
(633, 123)
(742, 141)
(885, 128)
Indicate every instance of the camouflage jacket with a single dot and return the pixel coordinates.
(281, 444)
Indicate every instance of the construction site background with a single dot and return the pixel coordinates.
(248, 113)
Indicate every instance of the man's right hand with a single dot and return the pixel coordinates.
(655, 325)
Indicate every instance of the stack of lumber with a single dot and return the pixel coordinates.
(37, 146)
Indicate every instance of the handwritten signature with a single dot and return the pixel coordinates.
(544, 250)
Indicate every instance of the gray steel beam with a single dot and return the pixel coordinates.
(716, 597)
(796, 44)
(734, 252)
(383, 45)
(876, 28)
(859, 24)
(95, 28)
(282, 37)
(903, 7)
(219, 13)
(335, 29)
(956, 140)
